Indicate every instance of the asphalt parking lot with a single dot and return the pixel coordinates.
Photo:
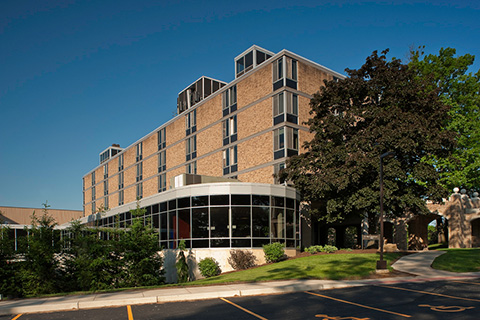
(428, 300)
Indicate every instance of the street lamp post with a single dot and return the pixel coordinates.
(382, 264)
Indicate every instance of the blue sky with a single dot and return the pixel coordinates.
(77, 76)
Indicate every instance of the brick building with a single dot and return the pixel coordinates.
(244, 129)
(239, 132)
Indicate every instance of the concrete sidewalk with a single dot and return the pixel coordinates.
(416, 264)
(420, 263)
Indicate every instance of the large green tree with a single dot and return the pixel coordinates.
(381, 107)
(460, 89)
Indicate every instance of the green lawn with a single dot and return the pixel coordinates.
(330, 266)
(459, 260)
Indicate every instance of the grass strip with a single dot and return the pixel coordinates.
(333, 267)
(458, 260)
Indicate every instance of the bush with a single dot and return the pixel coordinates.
(181, 265)
(209, 267)
(329, 249)
(315, 249)
(241, 260)
(274, 252)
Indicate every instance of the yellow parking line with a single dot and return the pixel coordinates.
(241, 308)
(130, 314)
(359, 305)
(431, 293)
(18, 316)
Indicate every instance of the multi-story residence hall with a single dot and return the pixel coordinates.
(207, 175)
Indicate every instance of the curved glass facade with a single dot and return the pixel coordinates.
(205, 219)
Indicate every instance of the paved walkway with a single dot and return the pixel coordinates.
(416, 264)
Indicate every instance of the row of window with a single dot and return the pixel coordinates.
(285, 109)
(223, 219)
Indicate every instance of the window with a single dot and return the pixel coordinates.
(104, 156)
(245, 63)
(279, 142)
(292, 140)
(105, 187)
(139, 151)
(93, 178)
(291, 65)
(191, 122)
(120, 162)
(120, 180)
(191, 168)
(278, 69)
(93, 194)
(105, 202)
(230, 160)
(162, 161)
(191, 148)
(93, 207)
(284, 73)
(230, 130)
(229, 100)
(162, 182)
(161, 139)
(276, 170)
(285, 100)
(120, 198)
(292, 107)
(105, 171)
(139, 171)
(140, 190)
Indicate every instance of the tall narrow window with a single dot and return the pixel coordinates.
(191, 168)
(292, 142)
(93, 194)
(93, 178)
(191, 122)
(105, 187)
(278, 108)
(139, 151)
(120, 180)
(229, 130)
(291, 68)
(191, 148)
(94, 208)
(105, 202)
(139, 171)
(278, 69)
(120, 162)
(161, 138)
(229, 100)
(105, 171)
(162, 166)
(276, 170)
(292, 107)
(120, 198)
(230, 164)
(285, 146)
(285, 108)
(284, 73)
(162, 182)
(140, 190)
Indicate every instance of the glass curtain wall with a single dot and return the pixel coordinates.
(220, 221)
